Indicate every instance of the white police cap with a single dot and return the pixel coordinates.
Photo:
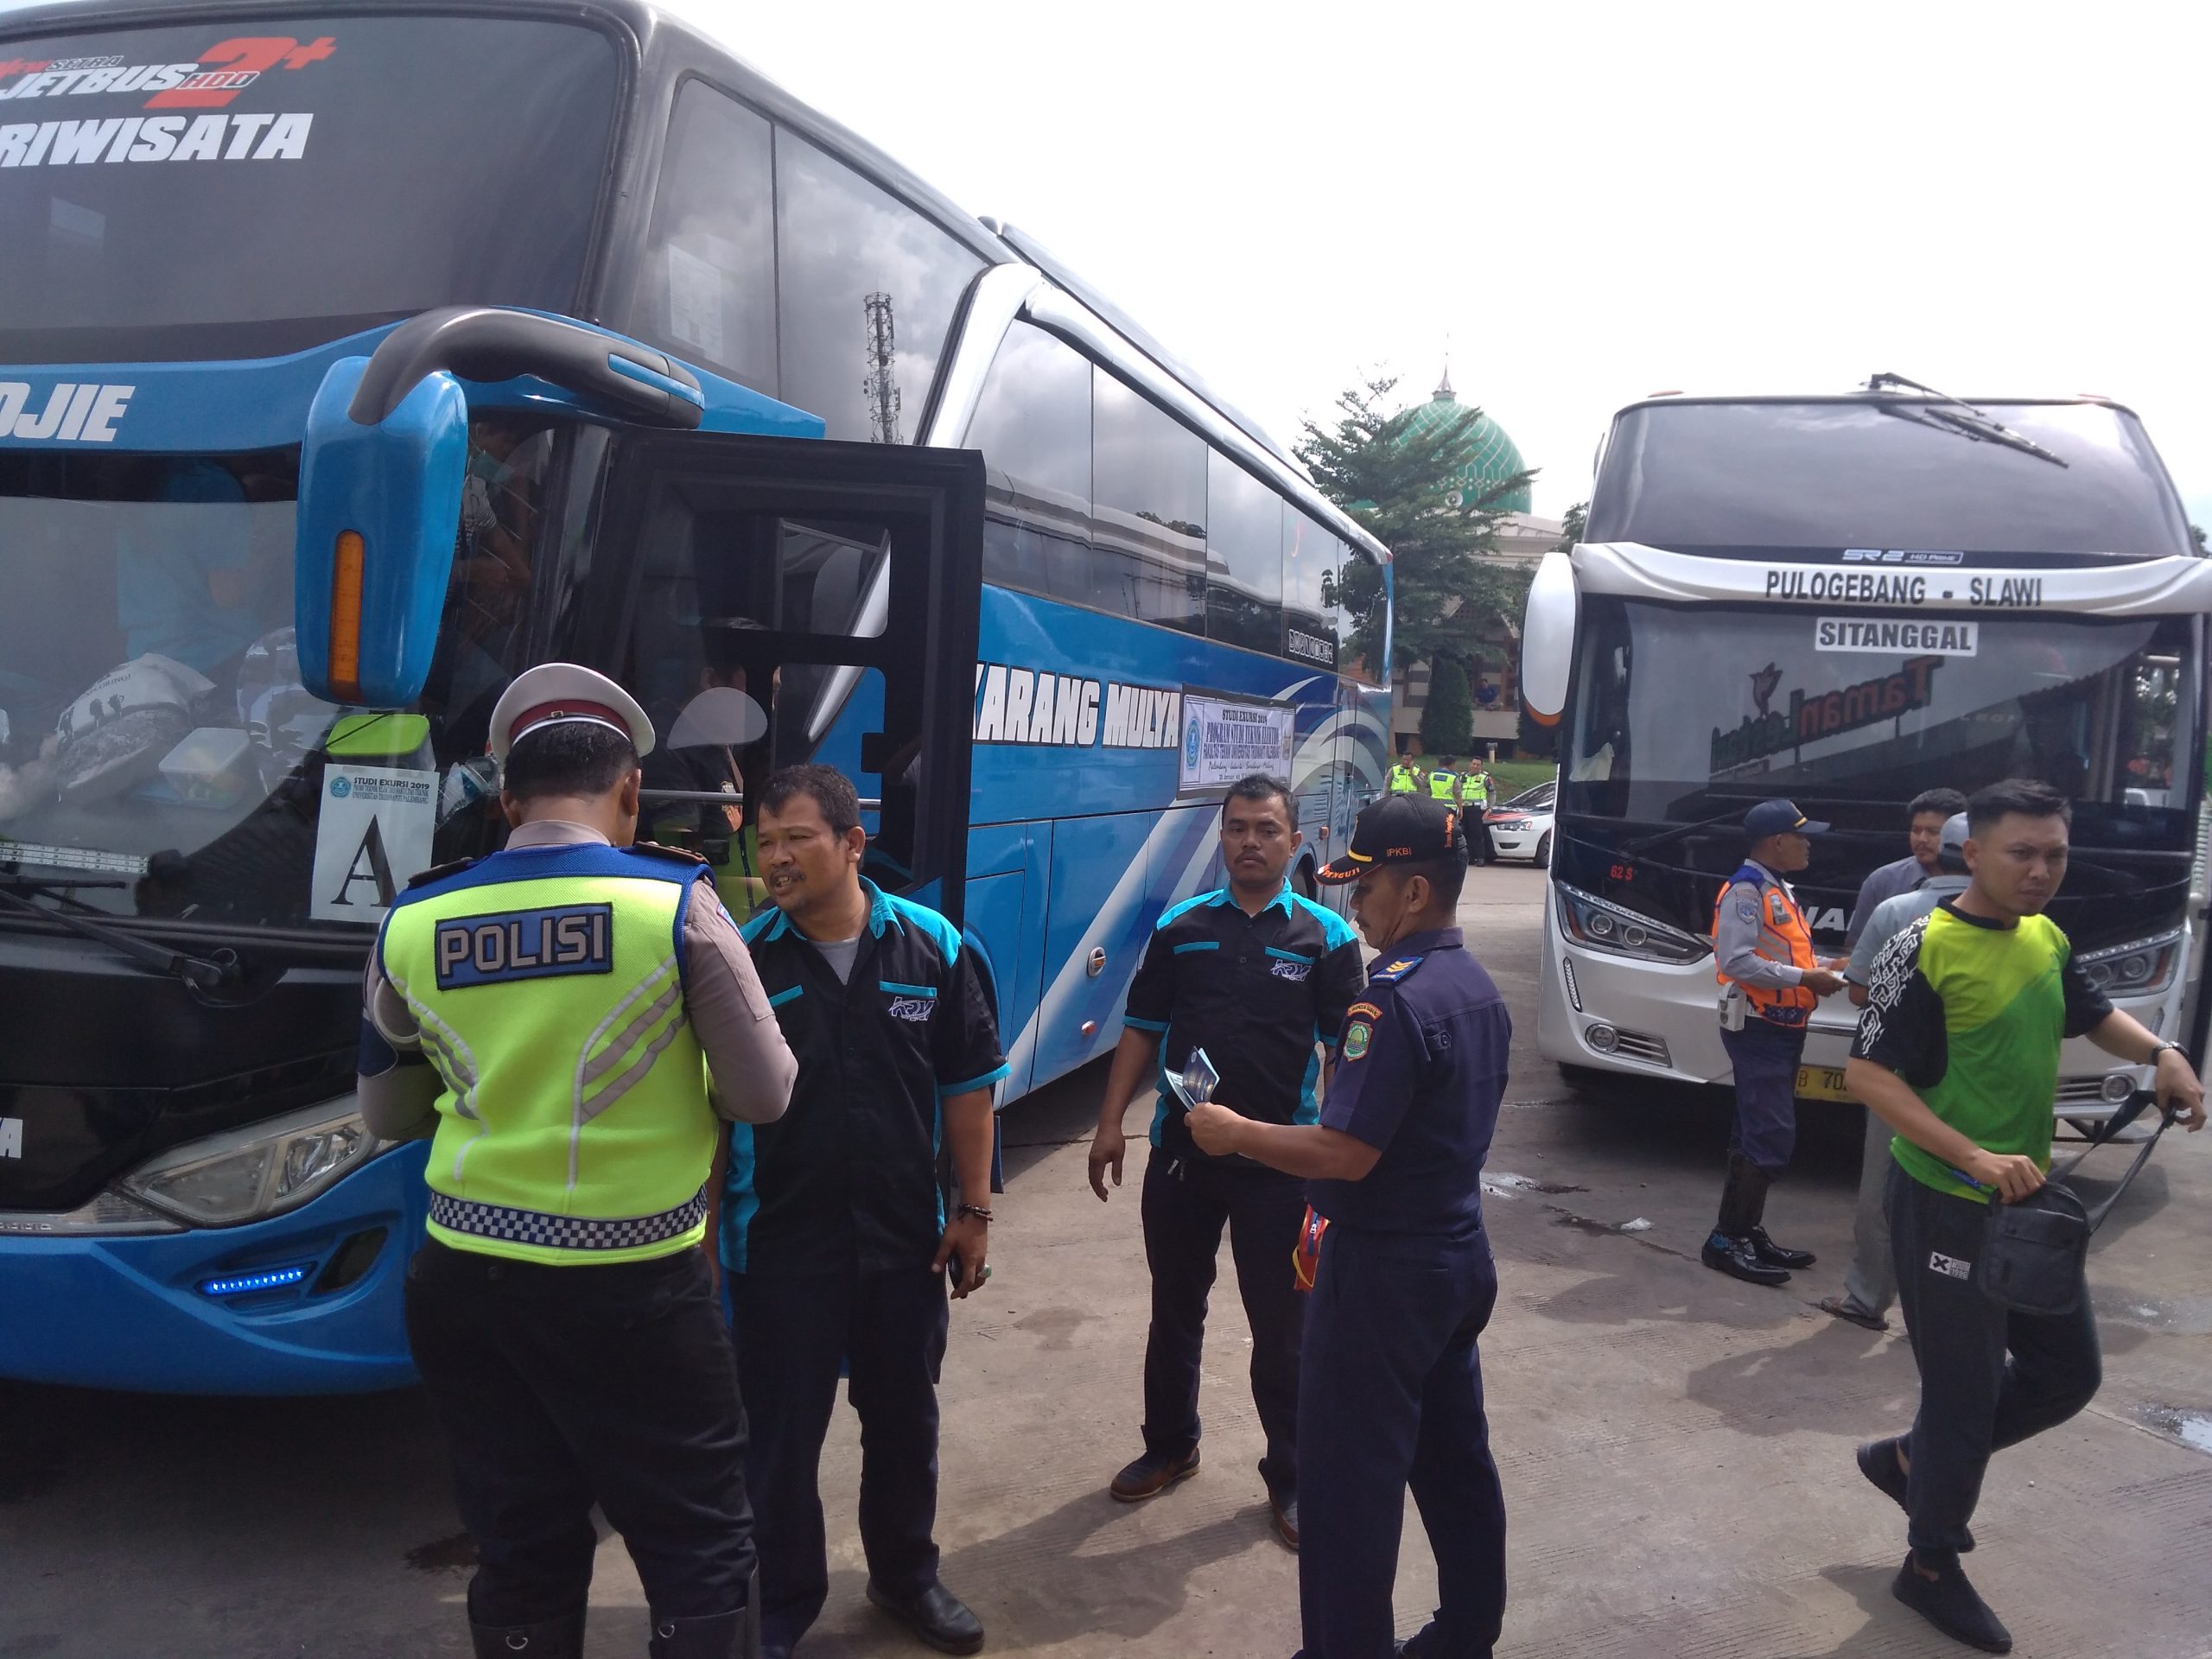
(554, 693)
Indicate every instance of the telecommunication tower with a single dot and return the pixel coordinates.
(881, 387)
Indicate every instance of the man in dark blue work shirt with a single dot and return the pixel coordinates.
(831, 1221)
(1260, 978)
(1390, 1393)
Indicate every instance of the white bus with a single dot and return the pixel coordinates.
(1846, 601)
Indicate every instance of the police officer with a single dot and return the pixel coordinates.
(1443, 780)
(1253, 973)
(1474, 796)
(546, 1012)
(1390, 1389)
(1772, 980)
(1404, 780)
(835, 1230)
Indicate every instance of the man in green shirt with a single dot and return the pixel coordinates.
(1957, 1050)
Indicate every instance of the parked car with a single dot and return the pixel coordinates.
(1521, 828)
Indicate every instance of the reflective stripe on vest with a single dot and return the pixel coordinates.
(548, 984)
(1784, 936)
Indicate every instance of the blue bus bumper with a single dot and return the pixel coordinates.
(130, 1313)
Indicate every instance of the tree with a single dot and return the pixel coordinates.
(1447, 720)
(1571, 527)
(1403, 486)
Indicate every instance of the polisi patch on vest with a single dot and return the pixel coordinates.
(525, 944)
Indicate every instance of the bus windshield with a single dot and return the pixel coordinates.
(1682, 713)
(159, 757)
(265, 187)
(1713, 477)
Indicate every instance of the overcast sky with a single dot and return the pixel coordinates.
(1591, 202)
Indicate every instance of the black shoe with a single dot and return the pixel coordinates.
(938, 1616)
(552, 1638)
(722, 1637)
(1735, 1257)
(1282, 1515)
(1152, 1474)
(1949, 1603)
(1772, 1255)
(1878, 1461)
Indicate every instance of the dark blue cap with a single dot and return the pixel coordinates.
(1779, 818)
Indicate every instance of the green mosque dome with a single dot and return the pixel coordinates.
(1497, 456)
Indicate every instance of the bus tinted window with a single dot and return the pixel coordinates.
(1309, 557)
(1847, 474)
(1148, 506)
(708, 285)
(1033, 427)
(437, 160)
(1244, 557)
(864, 285)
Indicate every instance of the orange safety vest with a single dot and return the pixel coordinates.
(1784, 936)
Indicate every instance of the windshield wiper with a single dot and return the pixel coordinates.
(1645, 844)
(1949, 414)
(201, 973)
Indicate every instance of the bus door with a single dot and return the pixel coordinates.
(775, 601)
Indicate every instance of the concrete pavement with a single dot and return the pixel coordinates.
(1676, 1447)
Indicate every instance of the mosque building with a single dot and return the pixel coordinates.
(1523, 539)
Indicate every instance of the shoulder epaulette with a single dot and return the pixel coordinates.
(1394, 969)
(439, 872)
(677, 855)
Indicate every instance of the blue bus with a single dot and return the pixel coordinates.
(354, 357)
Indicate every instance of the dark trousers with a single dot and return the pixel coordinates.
(1973, 1400)
(1391, 1395)
(1765, 1058)
(558, 1386)
(1186, 1204)
(793, 1334)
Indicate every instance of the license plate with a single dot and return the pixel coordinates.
(1822, 1083)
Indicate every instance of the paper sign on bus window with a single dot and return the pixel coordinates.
(1897, 636)
(372, 834)
(1226, 739)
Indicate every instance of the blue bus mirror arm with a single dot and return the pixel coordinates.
(489, 343)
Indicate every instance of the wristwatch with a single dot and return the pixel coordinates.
(2163, 1048)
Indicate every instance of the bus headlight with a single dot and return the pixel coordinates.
(257, 1170)
(2143, 967)
(1600, 924)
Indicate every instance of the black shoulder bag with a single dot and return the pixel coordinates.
(2035, 1253)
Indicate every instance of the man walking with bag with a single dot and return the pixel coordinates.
(1958, 1051)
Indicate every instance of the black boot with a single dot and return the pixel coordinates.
(1730, 1250)
(552, 1638)
(1752, 1227)
(721, 1636)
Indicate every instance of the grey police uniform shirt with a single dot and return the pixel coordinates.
(752, 1066)
(1736, 939)
(1893, 916)
(1886, 883)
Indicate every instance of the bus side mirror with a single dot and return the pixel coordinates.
(379, 507)
(1547, 639)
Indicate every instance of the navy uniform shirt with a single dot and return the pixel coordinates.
(1423, 1072)
(1255, 992)
(847, 1178)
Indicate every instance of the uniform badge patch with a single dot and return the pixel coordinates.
(914, 1009)
(1356, 1039)
(1294, 971)
(1363, 1010)
(525, 944)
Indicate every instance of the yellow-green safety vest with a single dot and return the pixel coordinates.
(548, 983)
(1476, 790)
(1444, 786)
(1404, 780)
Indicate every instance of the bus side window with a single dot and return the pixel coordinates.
(1034, 426)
